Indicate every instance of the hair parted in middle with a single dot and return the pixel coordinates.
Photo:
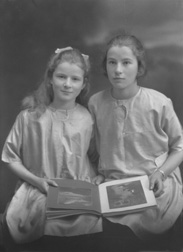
(43, 96)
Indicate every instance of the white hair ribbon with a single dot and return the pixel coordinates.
(86, 57)
(59, 50)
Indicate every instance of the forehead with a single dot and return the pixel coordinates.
(69, 68)
(120, 52)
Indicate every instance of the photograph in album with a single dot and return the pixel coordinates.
(126, 194)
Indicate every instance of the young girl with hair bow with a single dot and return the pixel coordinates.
(50, 139)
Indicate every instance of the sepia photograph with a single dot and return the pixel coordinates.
(91, 91)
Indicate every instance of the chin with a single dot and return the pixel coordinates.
(119, 86)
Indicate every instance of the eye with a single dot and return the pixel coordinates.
(126, 62)
(111, 62)
(76, 79)
(61, 76)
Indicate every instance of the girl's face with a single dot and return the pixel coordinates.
(67, 83)
(122, 68)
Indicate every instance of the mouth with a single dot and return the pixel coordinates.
(66, 92)
(118, 78)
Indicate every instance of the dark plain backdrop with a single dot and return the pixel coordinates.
(31, 30)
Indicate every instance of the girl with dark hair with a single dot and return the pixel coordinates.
(138, 133)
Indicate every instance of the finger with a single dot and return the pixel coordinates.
(158, 193)
(98, 181)
(93, 181)
(52, 183)
(151, 185)
(154, 186)
(159, 189)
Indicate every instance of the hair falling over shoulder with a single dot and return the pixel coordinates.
(38, 100)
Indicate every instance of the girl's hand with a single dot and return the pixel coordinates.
(43, 184)
(156, 183)
(98, 180)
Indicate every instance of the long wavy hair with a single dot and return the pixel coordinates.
(125, 39)
(43, 96)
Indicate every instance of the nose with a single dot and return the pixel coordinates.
(119, 68)
(68, 83)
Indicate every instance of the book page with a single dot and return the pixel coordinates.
(122, 196)
(73, 194)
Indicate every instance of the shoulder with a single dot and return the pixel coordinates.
(154, 96)
(152, 100)
(99, 99)
(21, 119)
(98, 96)
(82, 113)
(30, 114)
(23, 115)
(82, 110)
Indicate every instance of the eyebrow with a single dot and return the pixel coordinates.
(120, 60)
(111, 58)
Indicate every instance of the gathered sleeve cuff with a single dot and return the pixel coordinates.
(13, 145)
(173, 128)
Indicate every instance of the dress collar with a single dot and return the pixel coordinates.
(123, 102)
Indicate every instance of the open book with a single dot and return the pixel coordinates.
(115, 197)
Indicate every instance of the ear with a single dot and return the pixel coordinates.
(141, 69)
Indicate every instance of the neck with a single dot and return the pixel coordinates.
(63, 106)
(124, 94)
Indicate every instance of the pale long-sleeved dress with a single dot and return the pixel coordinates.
(51, 145)
(134, 137)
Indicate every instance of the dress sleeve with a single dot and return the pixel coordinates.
(173, 128)
(13, 144)
(93, 152)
